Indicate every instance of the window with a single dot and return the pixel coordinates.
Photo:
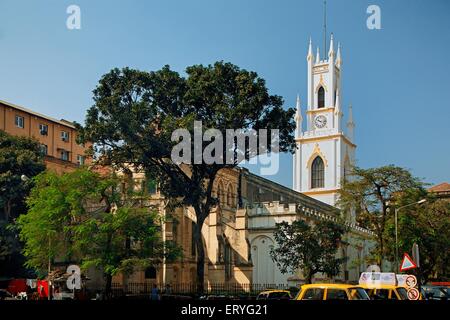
(150, 273)
(44, 149)
(193, 251)
(175, 230)
(64, 136)
(279, 296)
(230, 196)
(336, 294)
(151, 186)
(64, 155)
(43, 129)
(402, 293)
(381, 294)
(321, 98)
(358, 294)
(317, 173)
(313, 294)
(20, 122)
(228, 260)
(80, 159)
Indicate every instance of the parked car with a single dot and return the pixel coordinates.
(331, 291)
(386, 292)
(5, 295)
(436, 292)
(274, 295)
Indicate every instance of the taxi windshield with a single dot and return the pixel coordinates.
(358, 293)
(403, 293)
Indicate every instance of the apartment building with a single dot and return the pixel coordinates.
(57, 137)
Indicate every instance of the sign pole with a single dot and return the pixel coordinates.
(416, 257)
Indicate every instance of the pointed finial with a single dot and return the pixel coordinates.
(338, 55)
(310, 54)
(331, 51)
(350, 116)
(337, 103)
(317, 56)
(298, 113)
(298, 118)
(350, 124)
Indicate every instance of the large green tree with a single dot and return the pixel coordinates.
(311, 248)
(136, 112)
(88, 218)
(427, 225)
(20, 161)
(372, 194)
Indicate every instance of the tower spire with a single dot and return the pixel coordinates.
(350, 124)
(338, 55)
(298, 117)
(310, 54)
(317, 56)
(337, 112)
(331, 51)
(325, 26)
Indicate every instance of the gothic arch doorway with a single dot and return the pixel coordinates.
(263, 266)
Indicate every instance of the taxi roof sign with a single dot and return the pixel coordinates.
(407, 263)
(377, 278)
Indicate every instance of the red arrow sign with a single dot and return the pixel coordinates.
(407, 263)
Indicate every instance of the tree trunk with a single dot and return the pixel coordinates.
(8, 210)
(108, 286)
(308, 276)
(380, 252)
(200, 252)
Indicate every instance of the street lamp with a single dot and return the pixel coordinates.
(396, 229)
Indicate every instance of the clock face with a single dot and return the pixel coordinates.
(320, 121)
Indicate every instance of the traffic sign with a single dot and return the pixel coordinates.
(413, 294)
(407, 263)
(411, 281)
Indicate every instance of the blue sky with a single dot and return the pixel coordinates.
(396, 78)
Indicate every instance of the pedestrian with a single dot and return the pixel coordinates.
(154, 293)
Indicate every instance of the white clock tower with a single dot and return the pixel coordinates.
(324, 153)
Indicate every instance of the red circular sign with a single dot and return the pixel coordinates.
(411, 281)
(413, 294)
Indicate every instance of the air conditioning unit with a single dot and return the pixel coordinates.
(43, 129)
(64, 136)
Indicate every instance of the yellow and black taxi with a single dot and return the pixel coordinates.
(331, 291)
(386, 292)
(273, 294)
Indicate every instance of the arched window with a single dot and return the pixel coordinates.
(221, 193)
(317, 173)
(150, 273)
(230, 196)
(321, 98)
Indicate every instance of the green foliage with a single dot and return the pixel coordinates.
(311, 248)
(135, 113)
(428, 225)
(371, 192)
(84, 217)
(18, 156)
